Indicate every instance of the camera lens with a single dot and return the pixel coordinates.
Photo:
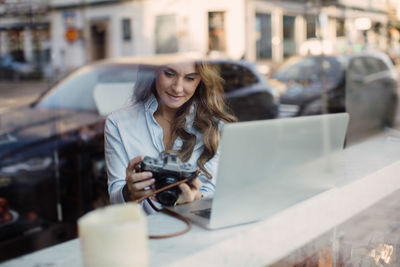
(169, 196)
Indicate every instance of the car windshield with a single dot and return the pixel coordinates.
(311, 69)
(78, 90)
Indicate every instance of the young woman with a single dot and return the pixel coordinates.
(178, 107)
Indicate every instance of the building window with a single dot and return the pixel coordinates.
(216, 31)
(289, 41)
(311, 26)
(16, 44)
(340, 28)
(126, 30)
(166, 34)
(41, 46)
(263, 36)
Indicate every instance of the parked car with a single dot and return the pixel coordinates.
(15, 70)
(52, 167)
(363, 84)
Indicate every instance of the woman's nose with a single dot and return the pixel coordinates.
(178, 85)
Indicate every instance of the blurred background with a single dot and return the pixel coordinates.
(49, 38)
(66, 64)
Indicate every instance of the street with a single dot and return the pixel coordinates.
(14, 94)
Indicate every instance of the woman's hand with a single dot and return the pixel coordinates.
(138, 184)
(190, 192)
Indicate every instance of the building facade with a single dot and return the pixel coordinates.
(60, 35)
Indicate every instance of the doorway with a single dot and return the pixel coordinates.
(99, 34)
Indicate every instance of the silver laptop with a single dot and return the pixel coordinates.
(267, 166)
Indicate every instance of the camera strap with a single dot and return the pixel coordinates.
(173, 214)
(166, 211)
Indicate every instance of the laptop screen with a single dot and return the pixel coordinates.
(269, 165)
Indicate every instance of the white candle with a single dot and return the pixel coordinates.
(114, 236)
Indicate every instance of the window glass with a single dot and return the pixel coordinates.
(358, 67)
(16, 44)
(340, 28)
(367, 65)
(166, 34)
(289, 41)
(216, 31)
(375, 65)
(311, 26)
(126, 30)
(52, 164)
(263, 33)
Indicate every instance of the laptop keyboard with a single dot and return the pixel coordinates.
(205, 213)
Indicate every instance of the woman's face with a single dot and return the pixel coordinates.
(176, 83)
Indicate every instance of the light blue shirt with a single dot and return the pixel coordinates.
(132, 132)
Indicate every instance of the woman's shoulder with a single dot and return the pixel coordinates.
(127, 113)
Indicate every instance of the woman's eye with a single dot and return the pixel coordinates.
(168, 73)
(190, 78)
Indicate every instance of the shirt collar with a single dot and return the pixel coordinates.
(151, 105)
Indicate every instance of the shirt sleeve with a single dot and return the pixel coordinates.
(116, 161)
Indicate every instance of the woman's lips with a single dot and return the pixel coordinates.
(174, 97)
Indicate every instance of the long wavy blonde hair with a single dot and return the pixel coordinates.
(210, 111)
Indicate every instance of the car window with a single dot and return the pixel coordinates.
(77, 91)
(358, 67)
(367, 65)
(311, 69)
(375, 65)
(235, 76)
(112, 96)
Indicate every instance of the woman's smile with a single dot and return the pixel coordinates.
(174, 96)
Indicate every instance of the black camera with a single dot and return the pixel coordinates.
(167, 169)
